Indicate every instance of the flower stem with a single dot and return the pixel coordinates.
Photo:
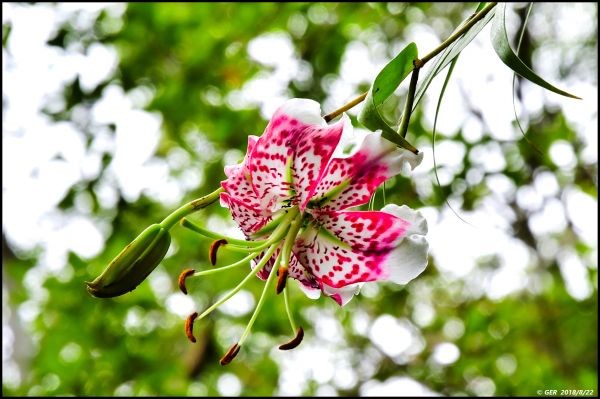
(257, 269)
(346, 107)
(190, 207)
(451, 39)
(261, 301)
(412, 88)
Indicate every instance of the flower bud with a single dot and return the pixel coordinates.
(133, 264)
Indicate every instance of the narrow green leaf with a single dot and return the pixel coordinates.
(384, 85)
(514, 81)
(450, 53)
(502, 46)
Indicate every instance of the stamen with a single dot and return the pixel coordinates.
(261, 301)
(214, 247)
(233, 265)
(189, 326)
(248, 246)
(294, 342)
(230, 355)
(257, 269)
(287, 309)
(184, 274)
(207, 233)
(282, 274)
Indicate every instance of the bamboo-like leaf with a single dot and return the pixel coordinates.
(384, 85)
(514, 81)
(502, 46)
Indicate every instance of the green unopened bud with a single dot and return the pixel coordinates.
(133, 264)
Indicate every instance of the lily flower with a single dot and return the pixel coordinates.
(292, 196)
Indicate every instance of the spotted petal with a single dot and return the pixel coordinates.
(248, 218)
(351, 181)
(291, 156)
(295, 271)
(238, 183)
(341, 249)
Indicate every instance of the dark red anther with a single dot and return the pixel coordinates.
(230, 355)
(214, 247)
(184, 274)
(282, 274)
(189, 326)
(294, 342)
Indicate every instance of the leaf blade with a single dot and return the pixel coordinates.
(386, 82)
(509, 58)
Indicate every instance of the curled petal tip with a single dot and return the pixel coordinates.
(294, 342)
(230, 355)
(214, 247)
(189, 326)
(281, 280)
(184, 274)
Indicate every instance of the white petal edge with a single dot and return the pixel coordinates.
(418, 224)
(410, 258)
(350, 136)
(305, 110)
(346, 293)
(403, 161)
(311, 293)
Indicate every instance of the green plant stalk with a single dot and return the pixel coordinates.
(412, 88)
(190, 207)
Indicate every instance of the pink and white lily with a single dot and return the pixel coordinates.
(292, 168)
(291, 197)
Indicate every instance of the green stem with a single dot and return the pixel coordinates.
(409, 100)
(257, 269)
(190, 207)
(261, 301)
(452, 38)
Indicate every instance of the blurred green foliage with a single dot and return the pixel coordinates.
(191, 57)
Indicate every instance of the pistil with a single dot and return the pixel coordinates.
(287, 251)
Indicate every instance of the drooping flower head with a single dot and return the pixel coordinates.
(292, 197)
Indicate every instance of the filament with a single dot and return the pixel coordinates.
(258, 268)
(260, 301)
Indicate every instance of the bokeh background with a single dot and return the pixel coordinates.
(115, 114)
